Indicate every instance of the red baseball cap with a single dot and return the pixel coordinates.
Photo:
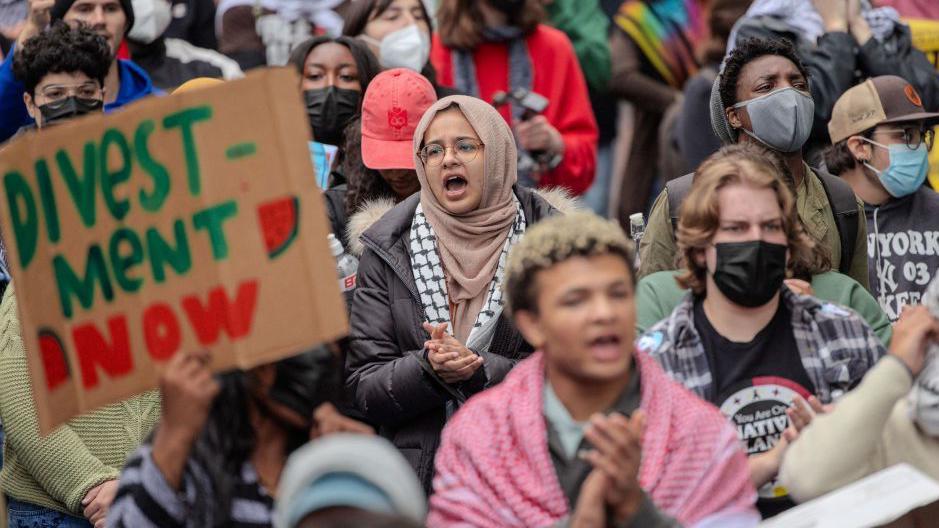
(393, 105)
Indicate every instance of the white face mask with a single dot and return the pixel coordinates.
(151, 18)
(407, 47)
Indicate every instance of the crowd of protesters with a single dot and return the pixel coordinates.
(770, 333)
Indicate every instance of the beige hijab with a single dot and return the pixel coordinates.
(470, 244)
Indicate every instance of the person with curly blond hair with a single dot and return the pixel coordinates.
(767, 356)
(595, 432)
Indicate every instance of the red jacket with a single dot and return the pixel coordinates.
(558, 77)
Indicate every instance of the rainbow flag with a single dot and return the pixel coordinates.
(666, 32)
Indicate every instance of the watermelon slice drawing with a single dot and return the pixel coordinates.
(54, 360)
(279, 221)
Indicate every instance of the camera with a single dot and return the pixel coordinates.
(531, 104)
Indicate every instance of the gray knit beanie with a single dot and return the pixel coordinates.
(719, 124)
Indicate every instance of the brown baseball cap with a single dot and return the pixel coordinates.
(878, 100)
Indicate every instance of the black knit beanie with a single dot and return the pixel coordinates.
(62, 6)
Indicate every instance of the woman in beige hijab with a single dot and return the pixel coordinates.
(427, 325)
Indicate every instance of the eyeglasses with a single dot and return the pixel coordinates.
(912, 137)
(58, 93)
(465, 150)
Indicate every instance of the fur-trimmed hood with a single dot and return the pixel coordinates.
(558, 198)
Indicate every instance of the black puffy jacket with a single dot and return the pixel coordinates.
(393, 384)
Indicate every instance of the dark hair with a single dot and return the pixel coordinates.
(838, 159)
(365, 61)
(363, 184)
(722, 15)
(748, 50)
(460, 22)
(62, 49)
(348, 517)
(228, 438)
(361, 12)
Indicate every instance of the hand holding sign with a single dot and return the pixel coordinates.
(188, 390)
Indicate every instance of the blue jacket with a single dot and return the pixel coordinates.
(135, 84)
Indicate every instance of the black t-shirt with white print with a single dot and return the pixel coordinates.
(754, 384)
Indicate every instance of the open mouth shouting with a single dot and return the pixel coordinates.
(454, 186)
(606, 347)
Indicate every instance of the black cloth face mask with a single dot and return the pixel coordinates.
(750, 273)
(69, 107)
(509, 7)
(330, 110)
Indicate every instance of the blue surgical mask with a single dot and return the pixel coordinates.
(907, 169)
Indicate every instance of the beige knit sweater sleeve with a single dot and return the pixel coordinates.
(59, 462)
(846, 444)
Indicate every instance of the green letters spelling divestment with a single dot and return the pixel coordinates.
(122, 263)
(151, 201)
(81, 188)
(112, 178)
(211, 220)
(161, 253)
(25, 220)
(96, 271)
(184, 120)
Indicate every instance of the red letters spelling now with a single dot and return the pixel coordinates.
(111, 351)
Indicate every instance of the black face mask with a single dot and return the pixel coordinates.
(330, 110)
(299, 382)
(68, 108)
(750, 273)
(509, 7)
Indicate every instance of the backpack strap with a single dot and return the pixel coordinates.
(678, 189)
(844, 208)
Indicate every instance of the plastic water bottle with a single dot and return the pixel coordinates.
(637, 227)
(346, 265)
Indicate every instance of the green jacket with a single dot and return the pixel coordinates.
(658, 294)
(587, 26)
(58, 470)
(658, 250)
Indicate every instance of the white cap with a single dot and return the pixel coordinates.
(335, 246)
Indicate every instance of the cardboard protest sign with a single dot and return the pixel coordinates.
(182, 222)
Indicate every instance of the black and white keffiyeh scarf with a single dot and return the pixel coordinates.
(430, 278)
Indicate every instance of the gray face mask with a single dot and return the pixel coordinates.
(781, 119)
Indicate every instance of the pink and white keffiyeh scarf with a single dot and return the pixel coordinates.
(494, 469)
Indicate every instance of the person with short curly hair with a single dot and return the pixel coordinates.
(742, 340)
(63, 72)
(124, 83)
(596, 432)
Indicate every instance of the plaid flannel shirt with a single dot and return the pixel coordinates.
(836, 345)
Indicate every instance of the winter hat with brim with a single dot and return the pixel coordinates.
(348, 470)
(62, 6)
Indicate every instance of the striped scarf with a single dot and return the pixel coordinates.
(666, 33)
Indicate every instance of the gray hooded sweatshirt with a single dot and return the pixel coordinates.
(902, 249)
